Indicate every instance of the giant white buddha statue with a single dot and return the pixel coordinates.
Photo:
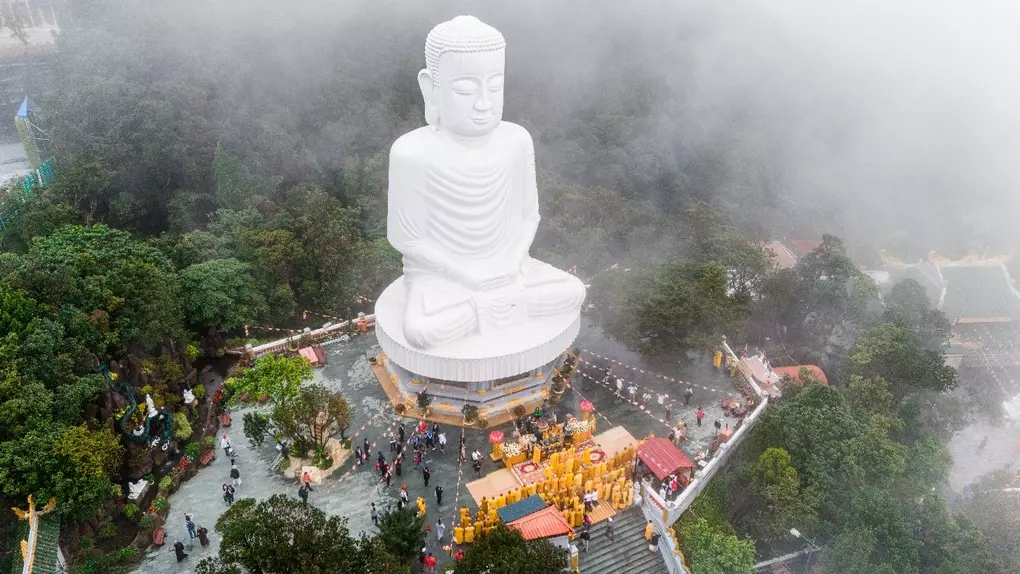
(463, 201)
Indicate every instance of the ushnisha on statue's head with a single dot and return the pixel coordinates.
(462, 83)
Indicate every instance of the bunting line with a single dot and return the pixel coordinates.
(641, 407)
(644, 372)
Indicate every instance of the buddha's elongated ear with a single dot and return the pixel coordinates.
(428, 93)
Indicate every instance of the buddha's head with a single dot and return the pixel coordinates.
(463, 80)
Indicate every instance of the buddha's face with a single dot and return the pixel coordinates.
(470, 94)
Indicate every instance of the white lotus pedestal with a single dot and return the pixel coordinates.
(492, 371)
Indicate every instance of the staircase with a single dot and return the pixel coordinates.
(628, 554)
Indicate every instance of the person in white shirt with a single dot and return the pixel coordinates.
(633, 392)
(475, 455)
(595, 498)
(619, 386)
(587, 501)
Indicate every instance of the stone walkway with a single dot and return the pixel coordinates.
(348, 371)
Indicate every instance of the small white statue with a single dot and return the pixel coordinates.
(189, 396)
(151, 406)
(136, 490)
(463, 200)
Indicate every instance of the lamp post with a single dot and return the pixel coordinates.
(812, 548)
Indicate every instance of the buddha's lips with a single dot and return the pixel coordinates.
(484, 120)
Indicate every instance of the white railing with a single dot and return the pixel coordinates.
(316, 335)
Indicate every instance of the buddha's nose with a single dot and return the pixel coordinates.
(483, 103)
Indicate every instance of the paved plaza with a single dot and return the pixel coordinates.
(348, 371)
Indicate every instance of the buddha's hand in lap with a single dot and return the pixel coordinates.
(486, 278)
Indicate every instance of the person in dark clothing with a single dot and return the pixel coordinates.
(387, 475)
(478, 468)
(585, 537)
(203, 535)
(381, 460)
(402, 431)
(179, 550)
(718, 424)
(426, 474)
(375, 515)
(393, 443)
(367, 448)
(439, 495)
(396, 463)
(303, 493)
(687, 396)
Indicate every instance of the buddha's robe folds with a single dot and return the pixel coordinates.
(456, 210)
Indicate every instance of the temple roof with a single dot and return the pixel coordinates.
(794, 372)
(979, 292)
(662, 457)
(545, 523)
(784, 258)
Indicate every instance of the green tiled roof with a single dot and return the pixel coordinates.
(933, 291)
(979, 292)
(517, 510)
(46, 548)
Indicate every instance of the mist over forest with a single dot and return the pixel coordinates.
(885, 123)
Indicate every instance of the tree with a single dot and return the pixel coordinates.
(275, 376)
(93, 453)
(90, 269)
(831, 289)
(281, 534)
(313, 417)
(402, 532)
(909, 308)
(776, 482)
(678, 307)
(711, 551)
(893, 353)
(503, 550)
(221, 293)
(256, 427)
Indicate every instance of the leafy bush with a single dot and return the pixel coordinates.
(107, 530)
(208, 442)
(145, 522)
(483, 423)
(86, 542)
(131, 511)
(519, 411)
(256, 427)
(182, 428)
(127, 554)
(165, 482)
(199, 391)
(470, 413)
(424, 400)
(192, 449)
(401, 408)
(191, 352)
(284, 463)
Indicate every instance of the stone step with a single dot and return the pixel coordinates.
(628, 553)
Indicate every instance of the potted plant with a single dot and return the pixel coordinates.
(424, 402)
(470, 414)
(519, 411)
(400, 408)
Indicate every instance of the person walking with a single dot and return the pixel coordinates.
(393, 443)
(428, 439)
(302, 493)
(718, 425)
(203, 536)
(417, 460)
(357, 455)
(633, 393)
(699, 414)
(619, 386)
(225, 444)
(649, 529)
(687, 396)
(403, 494)
(440, 529)
(611, 529)
(190, 524)
(306, 479)
(228, 494)
(235, 475)
(396, 464)
(367, 448)
(661, 399)
(442, 442)
(387, 476)
(439, 495)
(426, 474)
(380, 461)
(477, 465)
(585, 538)
(375, 515)
(430, 563)
(402, 432)
(179, 551)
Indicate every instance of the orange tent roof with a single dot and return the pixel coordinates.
(542, 524)
(662, 457)
(309, 354)
(794, 372)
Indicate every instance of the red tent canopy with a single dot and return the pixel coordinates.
(663, 457)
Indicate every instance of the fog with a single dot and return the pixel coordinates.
(893, 124)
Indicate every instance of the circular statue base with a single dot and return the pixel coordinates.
(475, 358)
